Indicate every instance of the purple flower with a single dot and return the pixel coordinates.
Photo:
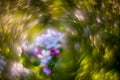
(47, 71)
(55, 52)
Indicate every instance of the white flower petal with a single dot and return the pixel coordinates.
(40, 56)
(51, 46)
(45, 53)
(44, 61)
(49, 58)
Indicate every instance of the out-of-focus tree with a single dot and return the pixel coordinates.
(91, 41)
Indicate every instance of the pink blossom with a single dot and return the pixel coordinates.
(37, 51)
(55, 52)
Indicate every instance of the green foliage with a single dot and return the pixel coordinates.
(91, 44)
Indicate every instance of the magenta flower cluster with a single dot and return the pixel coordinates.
(47, 48)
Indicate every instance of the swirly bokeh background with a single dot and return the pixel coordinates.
(91, 42)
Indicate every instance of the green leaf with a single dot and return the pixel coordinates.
(36, 63)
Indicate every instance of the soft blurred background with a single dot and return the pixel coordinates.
(91, 42)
